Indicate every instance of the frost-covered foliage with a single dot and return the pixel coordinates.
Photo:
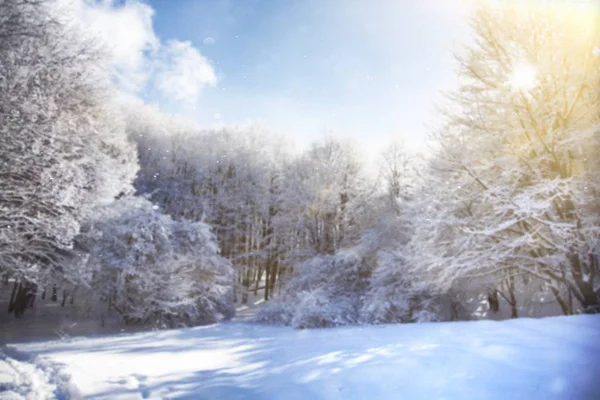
(394, 294)
(327, 200)
(368, 283)
(352, 287)
(62, 148)
(324, 291)
(269, 208)
(150, 268)
(513, 189)
(229, 177)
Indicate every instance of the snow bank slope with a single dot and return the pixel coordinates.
(25, 378)
(554, 358)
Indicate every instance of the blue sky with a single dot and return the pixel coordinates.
(369, 69)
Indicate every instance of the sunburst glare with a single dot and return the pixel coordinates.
(523, 76)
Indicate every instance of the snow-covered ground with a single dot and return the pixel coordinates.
(23, 377)
(553, 358)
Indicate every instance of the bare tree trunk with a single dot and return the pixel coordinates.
(34, 290)
(589, 299)
(512, 298)
(514, 311)
(11, 303)
(273, 279)
(21, 300)
(267, 276)
(246, 284)
(493, 300)
(258, 278)
(235, 290)
(561, 302)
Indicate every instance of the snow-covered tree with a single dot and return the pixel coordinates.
(368, 280)
(62, 147)
(512, 196)
(228, 177)
(398, 172)
(149, 267)
(326, 199)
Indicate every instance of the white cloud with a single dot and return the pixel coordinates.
(183, 72)
(209, 41)
(127, 34)
(138, 57)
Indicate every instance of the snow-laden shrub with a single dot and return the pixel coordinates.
(372, 283)
(150, 268)
(211, 274)
(395, 296)
(344, 273)
(323, 291)
(279, 311)
(356, 286)
(321, 309)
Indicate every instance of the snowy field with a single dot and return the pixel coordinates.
(553, 358)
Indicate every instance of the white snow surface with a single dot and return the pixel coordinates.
(27, 378)
(551, 358)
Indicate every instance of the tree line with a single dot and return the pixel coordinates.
(154, 218)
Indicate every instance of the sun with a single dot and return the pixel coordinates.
(523, 76)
